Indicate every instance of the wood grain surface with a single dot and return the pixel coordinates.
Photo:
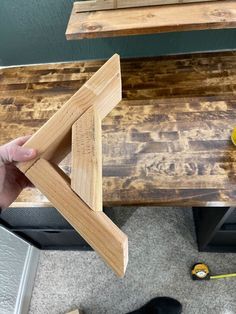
(86, 155)
(93, 5)
(97, 92)
(151, 19)
(96, 228)
(167, 142)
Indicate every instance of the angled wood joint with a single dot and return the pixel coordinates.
(77, 126)
(102, 90)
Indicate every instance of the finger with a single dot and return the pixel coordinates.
(18, 153)
(12, 152)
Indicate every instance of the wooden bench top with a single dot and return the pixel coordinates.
(167, 142)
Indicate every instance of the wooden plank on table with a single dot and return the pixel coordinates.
(95, 227)
(94, 5)
(142, 3)
(102, 90)
(86, 172)
(148, 20)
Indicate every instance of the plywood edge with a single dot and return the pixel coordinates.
(95, 227)
(86, 175)
(149, 20)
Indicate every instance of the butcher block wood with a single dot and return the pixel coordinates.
(151, 19)
(166, 143)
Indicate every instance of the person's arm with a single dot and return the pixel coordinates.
(12, 180)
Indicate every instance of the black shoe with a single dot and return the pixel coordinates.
(161, 305)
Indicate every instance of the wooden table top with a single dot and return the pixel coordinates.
(167, 142)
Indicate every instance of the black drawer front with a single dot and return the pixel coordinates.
(47, 229)
(53, 239)
(222, 238)
(34, 217)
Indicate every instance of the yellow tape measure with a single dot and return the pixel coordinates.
(201, 271)
(233, 136)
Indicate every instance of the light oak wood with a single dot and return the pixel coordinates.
(95, 227)
(86, 175)
(95, 5)
(102, 90)
(155, 19)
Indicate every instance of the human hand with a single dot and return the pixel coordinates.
(12, 180)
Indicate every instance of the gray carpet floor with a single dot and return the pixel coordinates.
(162, 248)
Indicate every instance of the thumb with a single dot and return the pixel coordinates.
(12, 152)
(19, 153)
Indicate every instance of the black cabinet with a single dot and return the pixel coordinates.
(44, 228)
(215, 228)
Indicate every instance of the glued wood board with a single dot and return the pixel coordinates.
(95, 227)
(148, 20)
(94, 5)
(166, 143)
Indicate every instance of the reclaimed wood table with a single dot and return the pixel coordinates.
(167, 143)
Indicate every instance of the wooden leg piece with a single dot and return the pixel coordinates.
(95, 227)
(86, 176)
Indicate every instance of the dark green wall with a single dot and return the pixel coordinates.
(32, 31)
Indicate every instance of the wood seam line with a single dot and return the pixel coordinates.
(86, 174)
(47, 139)
(95, 227)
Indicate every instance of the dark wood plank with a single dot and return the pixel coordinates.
(167, 142)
